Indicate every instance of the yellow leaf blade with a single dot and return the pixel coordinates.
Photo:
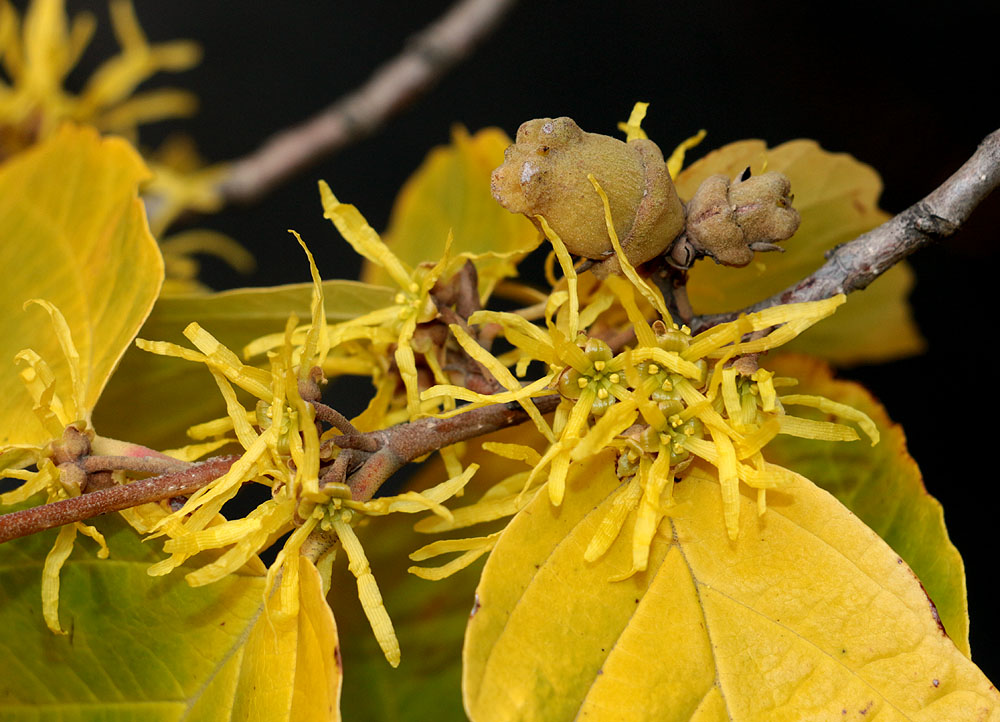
(711, 623)
(77, 238)
(290, 668)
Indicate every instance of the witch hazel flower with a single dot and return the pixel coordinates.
(669, 403)
(284, 449)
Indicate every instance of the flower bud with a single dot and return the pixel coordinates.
(545, 173)
(73, 445)
(729, 221)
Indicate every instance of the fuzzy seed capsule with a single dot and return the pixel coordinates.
(730, 220)
(545, 173)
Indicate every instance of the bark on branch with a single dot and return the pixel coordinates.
(392, 87)
(115, 498)
(853, 265)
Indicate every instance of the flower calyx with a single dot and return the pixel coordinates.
(604, 374)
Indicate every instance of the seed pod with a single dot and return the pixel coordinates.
(729, 221)
(545, 173)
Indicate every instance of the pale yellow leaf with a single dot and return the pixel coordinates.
(807, 615)
(74, 234)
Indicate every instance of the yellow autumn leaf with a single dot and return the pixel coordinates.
(807, 615)
(882, 484)
(451, 192)
(74, 234)
(837, 197)
(294, 659)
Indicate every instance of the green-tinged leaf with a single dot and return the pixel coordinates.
(837, 197)
(154, 648)
(165, 396)
(807, 615)
(74, 234)
(882, 485)
(451, 192)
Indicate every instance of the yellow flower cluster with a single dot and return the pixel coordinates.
(67, 420)
(667, 402)
(283, 449)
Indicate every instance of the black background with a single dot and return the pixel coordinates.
(909, 91)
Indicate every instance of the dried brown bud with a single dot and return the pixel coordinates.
(729, 221)
(545, 173)
(73, 445)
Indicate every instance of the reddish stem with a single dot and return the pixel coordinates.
(67, 511)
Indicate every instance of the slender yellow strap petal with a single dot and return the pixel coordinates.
(502, 374)
(626, 499)
(50, 576)
(489, 508)
(317, 343)
(253, 380)
(368, 593)
(478, 400)
(656, 480)
(568, 272)
(363, 238)
(730, 394)
(729, 481)
(413, 502)
(475, 547)
(651, 293)
(40, 382)
(270, 518)
(34, 482)
(518, 452)
(601, 303)
(676, 160)
(632, 128)
(832, 407)
(92, 532)
(406, 362)
(614, 421)
(819, 430)
(756, 440)
(625, 292)
(765, 385)
(214, 537)
(79, 408)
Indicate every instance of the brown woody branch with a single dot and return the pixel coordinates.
(403, 443)
(854, 265)
(391, 88)
(78, 508)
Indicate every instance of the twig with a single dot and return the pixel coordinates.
(333, 417)
(393, 86)
(77, 508)
(853, 265)
(141, 464)
(406, 442)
